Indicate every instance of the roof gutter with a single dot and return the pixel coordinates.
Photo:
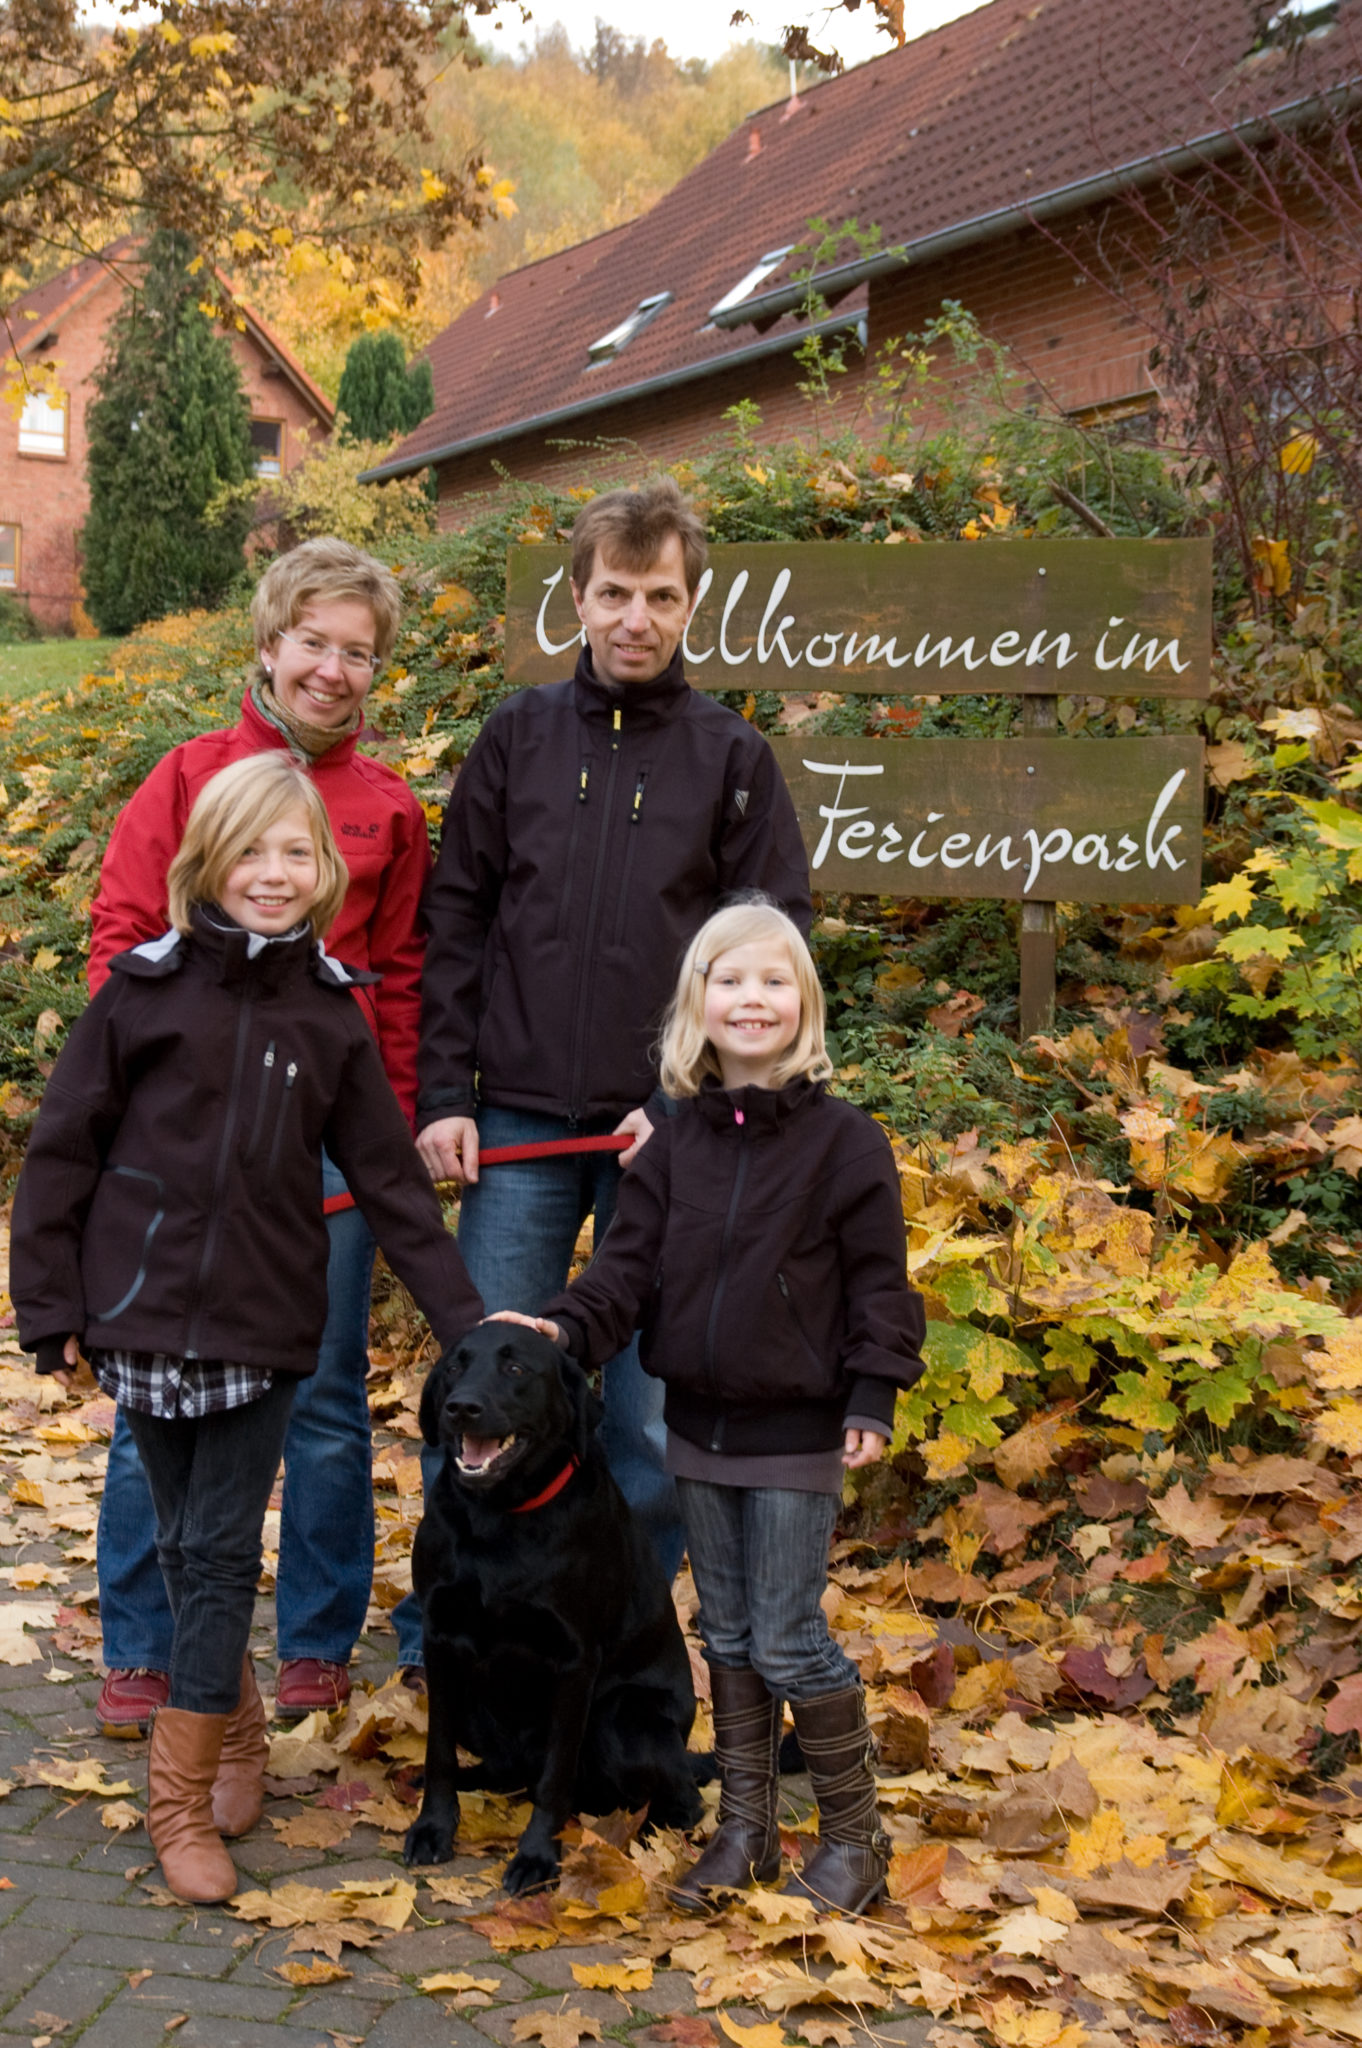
(600, 401)
(832, 283)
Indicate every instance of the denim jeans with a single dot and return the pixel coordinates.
(517, 1227)
(326, 1541)
(760, 1559)
(210, 1481)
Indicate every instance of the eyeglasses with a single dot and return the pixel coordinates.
(356, 661)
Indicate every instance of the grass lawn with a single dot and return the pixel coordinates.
(50, 664)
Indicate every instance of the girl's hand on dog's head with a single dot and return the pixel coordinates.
(540, 1323)
(862, 1447)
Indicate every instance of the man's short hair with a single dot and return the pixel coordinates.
(323, 571)
(634, 525)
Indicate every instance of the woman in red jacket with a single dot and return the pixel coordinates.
(326, 617)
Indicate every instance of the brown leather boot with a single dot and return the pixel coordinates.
(181, 1767)
(847, 1870)
(746, 1847)
(238, 1789)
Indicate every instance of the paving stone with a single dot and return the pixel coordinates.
(911, 2029)
(165, 1958)
(160, 1996)
(68, 1991)
(36, 1849)
(126, 2025)
(73, 1823)
(55, 1881)
(336, 2012)
(24, 1806)
(23, 1960)
(419, 1949)
(420, 2022)
(145, 1922)
(671, 1991)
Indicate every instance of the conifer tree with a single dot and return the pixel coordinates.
(379, 395)
(169, 428)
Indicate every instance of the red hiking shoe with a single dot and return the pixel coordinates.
(128, 1699)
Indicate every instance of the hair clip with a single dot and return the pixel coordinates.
(702, 967)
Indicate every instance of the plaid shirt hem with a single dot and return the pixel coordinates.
(178, 1389)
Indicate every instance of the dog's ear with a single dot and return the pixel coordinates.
(432, 1401)
(588, 1411)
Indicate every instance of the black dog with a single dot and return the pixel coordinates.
(552, 1647)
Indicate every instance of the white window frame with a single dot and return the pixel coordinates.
(9, 578)
(758, 274)
(261, 458)
(38, 434)
(610, 344)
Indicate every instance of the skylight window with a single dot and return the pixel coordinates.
(619, 337)
(758, 274)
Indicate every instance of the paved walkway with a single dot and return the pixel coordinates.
(92, 1951)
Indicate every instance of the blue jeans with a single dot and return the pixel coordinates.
(326, 1541)
(211, 1484)
(760, 1559)
(517, 1228)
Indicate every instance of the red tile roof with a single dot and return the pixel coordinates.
(35, 313)
(950, 136)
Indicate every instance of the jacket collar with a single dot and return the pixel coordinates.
(643, 704)
(226, 951)
(262, 734)
(760, 1110)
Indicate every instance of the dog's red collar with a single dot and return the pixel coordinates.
(554, 1486)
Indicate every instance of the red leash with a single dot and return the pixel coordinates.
(506, 1155)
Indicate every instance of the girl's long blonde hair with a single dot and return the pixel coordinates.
(686, 1055)
(231, 809)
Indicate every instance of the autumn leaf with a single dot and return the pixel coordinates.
(556, 2029)
(458, 1980)
(318, 1971)
(621, 1976)
(770, 2036)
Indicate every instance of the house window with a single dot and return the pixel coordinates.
(267, 445)
(9, 558)
(42, 424)
(758, 274)
(619, 337)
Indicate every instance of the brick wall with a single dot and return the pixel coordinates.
(47, 498)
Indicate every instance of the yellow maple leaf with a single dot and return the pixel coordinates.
(432, 188)
(1097, 1844)
(318, 1971)
(634, 1974)
(1340, 1428)
(457, 1980)
(770, 2036)
(1297, 455)
(1234, 898)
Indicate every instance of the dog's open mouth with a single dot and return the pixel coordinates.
(478, 1457)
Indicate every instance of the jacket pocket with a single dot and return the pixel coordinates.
(136, 1210)
(633, 832)
(570, 860)
(282, 1118)
(797, 1322)
(262, 1103)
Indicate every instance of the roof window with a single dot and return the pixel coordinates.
(1299, 18)
(619, 337)
(758, 274)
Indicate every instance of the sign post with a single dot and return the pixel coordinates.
(1040, 819)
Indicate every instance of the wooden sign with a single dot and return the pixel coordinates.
(1034, 820)
(1117, 618)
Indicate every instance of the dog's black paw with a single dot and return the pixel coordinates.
(428, 1841)
(530, 1870)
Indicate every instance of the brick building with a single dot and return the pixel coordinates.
(984, 154)
(44, 495)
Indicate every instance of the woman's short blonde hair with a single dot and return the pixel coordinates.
(326, 571)
(230, 812)
(686, 1054)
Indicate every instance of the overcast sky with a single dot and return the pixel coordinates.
(700, 28)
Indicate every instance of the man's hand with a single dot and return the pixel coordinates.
(449, 1149)
(862, 1447)
(71, 1353)
(639, 1129)
(540, 1323)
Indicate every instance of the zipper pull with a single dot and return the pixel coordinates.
(290, 1073)
(269, 1056)
(581, 786)
(638, 802)
(615, 728)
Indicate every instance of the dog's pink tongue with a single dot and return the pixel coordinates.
(480, 1450)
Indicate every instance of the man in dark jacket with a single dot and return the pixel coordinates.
(593, 828)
